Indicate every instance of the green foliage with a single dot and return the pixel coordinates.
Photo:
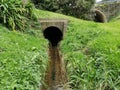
(14, 14)
(77, 8)
(93, 56)
(91, 52)
(117, 18)
(22, 60)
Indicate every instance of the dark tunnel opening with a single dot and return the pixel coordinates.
(53, 34)
(99, 16)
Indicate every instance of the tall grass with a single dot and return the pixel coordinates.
(22, 60)
(91, 52)
(14, 14)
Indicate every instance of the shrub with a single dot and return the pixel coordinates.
(14, 14)
(77, 8)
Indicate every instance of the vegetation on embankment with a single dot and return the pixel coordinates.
(91, 52)
(116, 19)
(110, 8)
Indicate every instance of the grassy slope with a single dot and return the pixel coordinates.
(21, 59)
(116, 18)
(91, 51)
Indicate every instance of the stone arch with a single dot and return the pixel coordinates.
(99, 16)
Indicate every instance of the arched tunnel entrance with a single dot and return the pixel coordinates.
(99, 16)
(53, 34)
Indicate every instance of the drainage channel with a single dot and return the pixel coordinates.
(56, 76)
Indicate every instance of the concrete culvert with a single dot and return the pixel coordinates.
(53, 34)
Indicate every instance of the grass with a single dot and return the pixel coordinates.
(91, 52)
(21, 60)
(117, 18)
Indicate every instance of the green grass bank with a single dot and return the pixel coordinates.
(91, 52)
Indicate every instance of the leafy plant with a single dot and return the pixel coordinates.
(14, 14)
